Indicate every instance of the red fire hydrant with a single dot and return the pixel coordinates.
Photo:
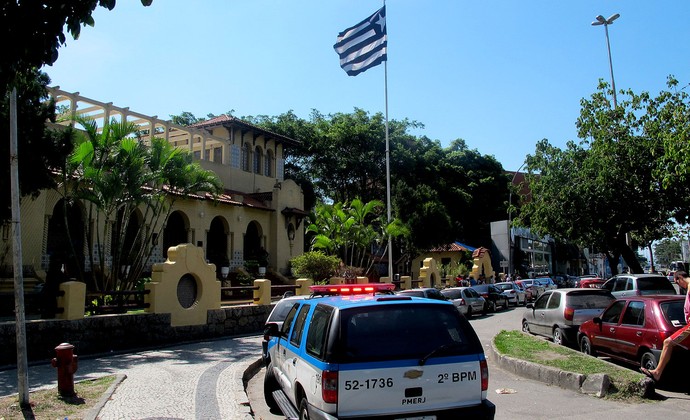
(66, 363)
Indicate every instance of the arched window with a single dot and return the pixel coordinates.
(245, 157)
(258, 156)
(268, 164)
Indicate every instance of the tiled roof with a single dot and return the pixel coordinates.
(228, 120)
(454, 247)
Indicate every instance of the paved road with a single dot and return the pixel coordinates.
(204, 381)
(531, 400)
(191, 381)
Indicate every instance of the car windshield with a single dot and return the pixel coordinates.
(655, 284)
(587, 300)
(452, 293)
(674, 313)
(395, 332)
(281, 310)
(481, 288)
(417, 293)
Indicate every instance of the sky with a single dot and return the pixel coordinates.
(500, 74)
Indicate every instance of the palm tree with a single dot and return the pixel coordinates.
(121, 180)
(350, 229)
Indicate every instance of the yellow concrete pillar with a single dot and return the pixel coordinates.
(385, 280)
(337, 280)
(185, 266)
(406, 282)
(362, 280)
(303, 287)
(262, 296)
(424, 277)
(73, 300)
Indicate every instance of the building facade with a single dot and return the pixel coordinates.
(259, 214)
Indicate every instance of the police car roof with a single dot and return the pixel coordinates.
(363, 300)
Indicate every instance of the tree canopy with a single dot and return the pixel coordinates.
(625, 178)
(441, 195)
(34, 31)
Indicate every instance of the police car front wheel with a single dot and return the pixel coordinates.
(270, 385)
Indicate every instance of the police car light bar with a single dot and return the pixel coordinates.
(352, 289)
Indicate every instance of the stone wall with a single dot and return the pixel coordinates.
(106, 333)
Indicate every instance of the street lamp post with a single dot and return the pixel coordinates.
(510, 213)
(606, 22)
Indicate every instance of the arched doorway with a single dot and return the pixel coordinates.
(175, 231)
(217, 243)
(66, 223)
(252, 241)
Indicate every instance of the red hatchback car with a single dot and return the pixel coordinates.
(590, 283)
(633, 329)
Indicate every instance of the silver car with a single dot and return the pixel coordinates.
(466, 299)
(558, 313)
(515, 293)
(624, 285)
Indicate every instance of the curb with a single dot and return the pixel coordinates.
(597, 384)
(93, 413)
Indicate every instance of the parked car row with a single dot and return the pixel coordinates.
(626, 318)
(482, 298)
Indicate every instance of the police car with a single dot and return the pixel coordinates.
(358, 351)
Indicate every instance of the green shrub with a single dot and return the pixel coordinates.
(315, 265)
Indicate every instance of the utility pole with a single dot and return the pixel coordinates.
(20, 328)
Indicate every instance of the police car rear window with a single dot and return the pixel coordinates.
(396, 332)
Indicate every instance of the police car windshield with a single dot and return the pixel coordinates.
(397, 332)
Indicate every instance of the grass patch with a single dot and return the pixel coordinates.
(47, 404)
(522, 346)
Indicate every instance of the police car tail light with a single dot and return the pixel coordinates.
(484, 368)
(569, 313)
(352, 289)
(329, 386)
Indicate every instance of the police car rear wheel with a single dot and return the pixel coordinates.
(303, 411)
(270, 385)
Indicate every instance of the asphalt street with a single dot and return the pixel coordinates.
(206, 381)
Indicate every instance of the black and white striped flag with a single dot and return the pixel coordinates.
(364, 45)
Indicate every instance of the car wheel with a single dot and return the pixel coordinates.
(492, 306)
(270, 385)
(648, 361)
(303, 410)
(586, 346)
(558, 336)
(525, 327)
(469, 312)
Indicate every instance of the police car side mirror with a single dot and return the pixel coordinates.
(271, 330)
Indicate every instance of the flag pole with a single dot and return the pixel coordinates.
(388, 168)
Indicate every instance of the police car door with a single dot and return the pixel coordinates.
(292, 350)
(278, 352)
